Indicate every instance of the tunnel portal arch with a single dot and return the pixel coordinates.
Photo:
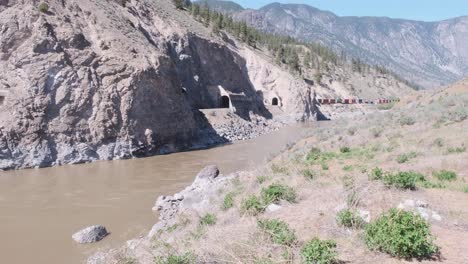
(275, 101)
(225, 101)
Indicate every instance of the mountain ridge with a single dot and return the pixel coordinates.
(430, 54)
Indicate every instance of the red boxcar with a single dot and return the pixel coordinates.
(332, 101)
(346, 101)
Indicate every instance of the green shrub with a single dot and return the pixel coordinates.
(208, 220)
(386, 106)
(345, 150)
(465, 189)
(277, 192)
(228, 201)
(348, 168)
(403, 180)
(376, 174)
(319, 251)
(43, 7)
(445, 175)
(278, 231)
(252, 205)
(401, 234)
(431, 185)
(176, 259)
(350, 219)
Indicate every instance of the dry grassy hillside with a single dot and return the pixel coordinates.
(334, 185)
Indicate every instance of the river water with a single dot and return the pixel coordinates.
(41, 208)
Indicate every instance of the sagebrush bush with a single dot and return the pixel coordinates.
(319, 251)
(401, 234)
(407, 121)
(276, 192)
(403, 180)
(208, 220)
(278, 231)
(445, 175)
(456, 150)
(350, 219)
(252, 205)
(43, 7)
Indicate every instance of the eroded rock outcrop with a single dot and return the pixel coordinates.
(97, 80)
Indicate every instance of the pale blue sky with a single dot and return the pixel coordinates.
(425, 10)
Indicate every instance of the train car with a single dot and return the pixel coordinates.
(339, 101)
(346, 101)
(360, 101)
(353, 101)
(320, 101)
(332, 101)
(325, 101)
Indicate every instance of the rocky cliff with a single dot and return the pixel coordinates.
(93, 79)
(428, 53)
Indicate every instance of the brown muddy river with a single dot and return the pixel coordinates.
(41, 208)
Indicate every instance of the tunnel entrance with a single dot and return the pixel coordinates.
(2, 99)
(225, 102)
(274, 101)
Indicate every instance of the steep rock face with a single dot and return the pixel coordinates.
(92, 80)
(429, 54)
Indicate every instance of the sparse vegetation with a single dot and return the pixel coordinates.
(309, 174)
(277, 192)
(385, 106)
(43, 8)
(186, 258)
(278, 231)
(345, 150)
(208, 220)
(277, 169)
(228, 201)
(401, 234)
(319, 251)
(407, 121)
(456, 150)
(376, 174)
(262, 178)
(350, 219)
(403, 158)
(252, 205)
(445, 175)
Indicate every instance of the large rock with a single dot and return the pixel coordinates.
(209, 172)
(90, 234)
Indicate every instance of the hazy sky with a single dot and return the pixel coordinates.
(426, 10)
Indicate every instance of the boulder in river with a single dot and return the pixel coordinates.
(90, 234)
(209, 172)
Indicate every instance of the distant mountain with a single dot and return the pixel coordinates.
(428, 53)
(227, 7)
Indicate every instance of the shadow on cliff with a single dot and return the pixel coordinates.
(202, 64)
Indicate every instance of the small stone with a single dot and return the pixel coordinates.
(365, 215)
(422, 204)
(436, 216)
(178, 197)
(424, 213)
(90, 234)
(273, 208)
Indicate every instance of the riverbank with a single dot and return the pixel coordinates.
(411, 157)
